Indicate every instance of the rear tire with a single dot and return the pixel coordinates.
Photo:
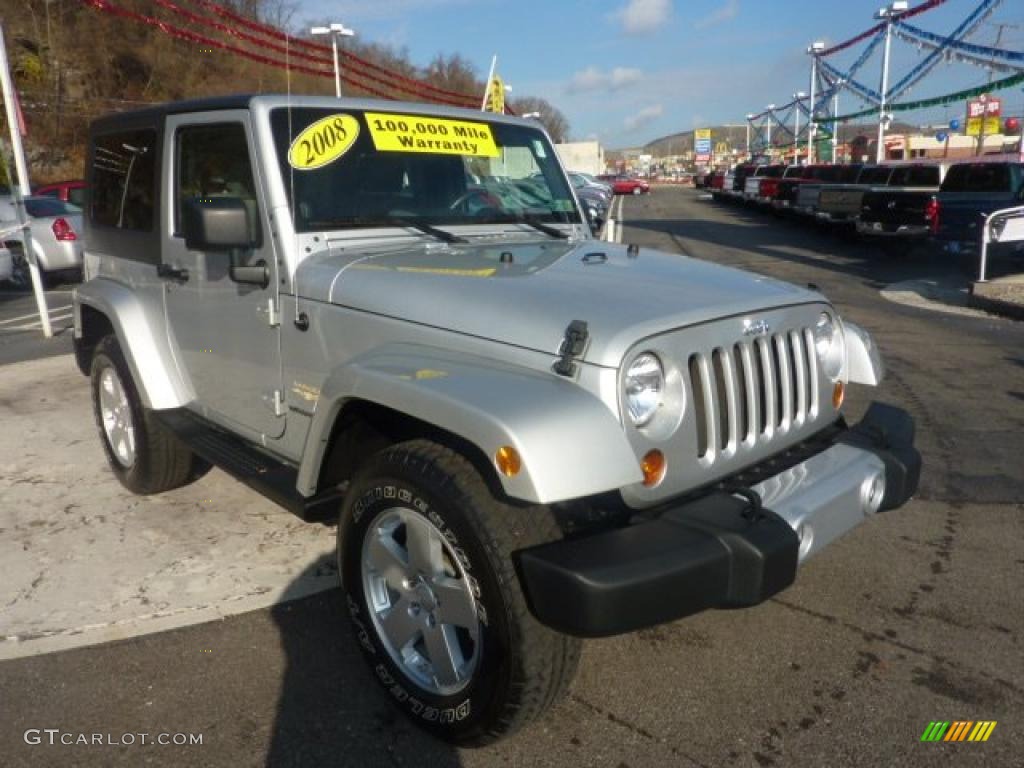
(500, 668)
(143, 454)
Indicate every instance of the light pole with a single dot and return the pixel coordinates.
(797, 97)
(887, 15)
(814, 49)
(771, 110)
(835, 121)
(749, 118)
(335, 31)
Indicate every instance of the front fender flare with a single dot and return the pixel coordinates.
(570, 443)
(142, 334)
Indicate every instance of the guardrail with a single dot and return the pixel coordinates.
(1003, 226)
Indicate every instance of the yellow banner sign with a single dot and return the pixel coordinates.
(702, 133)
(496, 96)
(433, 135)
(323, 142)
(991, 126)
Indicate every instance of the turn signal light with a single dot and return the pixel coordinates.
(653, 466)
(838, 393)
(508, 460)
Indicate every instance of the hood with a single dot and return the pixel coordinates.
(529, 296)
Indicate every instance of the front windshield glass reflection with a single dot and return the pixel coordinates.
(352, 168)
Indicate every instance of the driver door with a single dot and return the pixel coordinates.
(225, 333)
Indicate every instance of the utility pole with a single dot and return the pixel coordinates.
(21, 189)
(814, 49)
(335, 31)
(887, 15)
(771, 114)
(749, 118)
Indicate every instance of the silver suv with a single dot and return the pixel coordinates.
(394, 314)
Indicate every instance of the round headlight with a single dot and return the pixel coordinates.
(828, 345)
(645, 388)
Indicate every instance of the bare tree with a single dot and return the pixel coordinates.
(550, 116)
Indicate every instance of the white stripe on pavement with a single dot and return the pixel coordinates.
(34, 314)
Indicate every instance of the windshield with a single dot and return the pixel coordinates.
(355, 169)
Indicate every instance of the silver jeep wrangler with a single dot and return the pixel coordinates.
(395, 314)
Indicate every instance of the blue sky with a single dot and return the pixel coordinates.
(628, 71)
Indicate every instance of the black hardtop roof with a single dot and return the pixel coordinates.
(155, 114)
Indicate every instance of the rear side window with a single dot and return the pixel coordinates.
(923, 176)
(76, 196)
(45, 206)
(899, 177)
(124, 180)
(978, 177)
(877, 174)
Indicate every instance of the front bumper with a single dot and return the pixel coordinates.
(720, 550)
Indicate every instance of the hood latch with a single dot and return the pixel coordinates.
(573, 344)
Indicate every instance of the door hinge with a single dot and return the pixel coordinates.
(273, 313)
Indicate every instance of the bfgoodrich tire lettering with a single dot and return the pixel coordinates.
(521, 667)
(157, 461)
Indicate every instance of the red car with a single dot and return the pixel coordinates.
(626, 185)
(69, 191)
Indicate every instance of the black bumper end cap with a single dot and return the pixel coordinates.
(889, 432)
(704, 554)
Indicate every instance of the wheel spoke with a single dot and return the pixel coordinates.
(386, 559)
(455, 605)
(444, 653)
(424, 546)
(399, 625)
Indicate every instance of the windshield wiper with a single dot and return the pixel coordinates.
(540, 227)
(428, 229)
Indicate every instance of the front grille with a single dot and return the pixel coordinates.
(746, 394)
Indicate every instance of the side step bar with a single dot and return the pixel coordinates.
(266, 475)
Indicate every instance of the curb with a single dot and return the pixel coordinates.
(1006, 308)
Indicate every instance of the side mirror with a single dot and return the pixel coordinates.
(217, 224)
(224, 224)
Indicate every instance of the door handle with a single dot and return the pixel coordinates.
(172, 273)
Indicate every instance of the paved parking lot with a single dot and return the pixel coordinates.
(21, 336)
(914, 617)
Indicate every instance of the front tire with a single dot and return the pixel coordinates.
(425, 556)
(143, 454)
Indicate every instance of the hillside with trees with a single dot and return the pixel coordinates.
(74, 60)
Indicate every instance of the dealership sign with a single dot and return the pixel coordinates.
(702, 141)
(983, 116)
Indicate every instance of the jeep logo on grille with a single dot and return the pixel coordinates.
(756, 328)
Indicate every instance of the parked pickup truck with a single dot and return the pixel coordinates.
(752, 184)
(527, 436)
(968, 194)
(786, 191)
(806, 201)
(769, 187)
(839, 204)
(904, 209)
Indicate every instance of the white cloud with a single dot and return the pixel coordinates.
(643, 117)
(593, 79)
(623, 76)
(638, 17)
(727, 12)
